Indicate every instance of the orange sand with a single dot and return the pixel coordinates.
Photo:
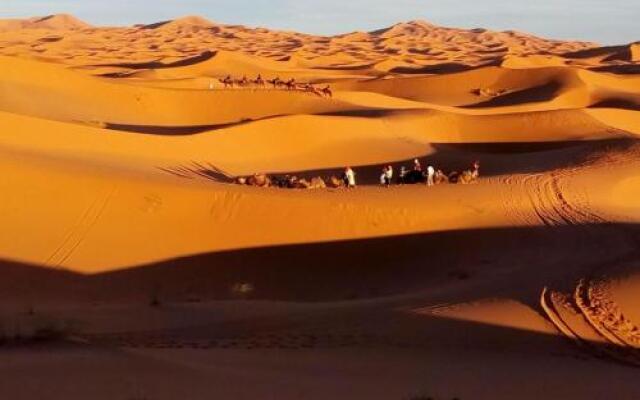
(117, 149)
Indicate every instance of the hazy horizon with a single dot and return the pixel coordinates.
(589, 20)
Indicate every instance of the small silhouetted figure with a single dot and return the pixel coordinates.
(417, 166)
(349, 178)
(388, 175)
(431, 173)
(403, 174)
(476, 170)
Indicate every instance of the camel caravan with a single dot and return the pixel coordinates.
(276, 84)
(416, 175)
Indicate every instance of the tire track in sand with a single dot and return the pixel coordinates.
(78, 232)
(553, 206)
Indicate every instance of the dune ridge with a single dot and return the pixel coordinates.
(408, 46)
(50, 22)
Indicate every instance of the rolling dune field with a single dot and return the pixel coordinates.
(133, 266)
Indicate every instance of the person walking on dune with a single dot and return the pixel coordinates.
(403, 175)
(388, 175)
(431, 173)
(350, 178)
(417, 166)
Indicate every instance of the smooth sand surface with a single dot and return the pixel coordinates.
(125, 239)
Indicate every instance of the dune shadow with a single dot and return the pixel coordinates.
(506, 148)
(182, 130)
(51, 39)
(624, 69)
(444, 68)
(368, 113)
(359, 67)
(185, 130)
(497, 159)
(622, 104)
(546, 92)
(594, 52)
(198, 170)
(515, 261)
(156, 25)
(164, 130)
(204, 56)
(368, 268)
(439, 332)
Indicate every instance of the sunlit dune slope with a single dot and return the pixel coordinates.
(61, 22)
(51, 91)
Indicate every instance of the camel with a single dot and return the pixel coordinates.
(335, 182)
(286, 182)
(317, 183)
(309, 88)
(440, 178)
(259, 82)
(291, 84)
(327, 91)
(466, 178)
(275, 82)
(227, 82)
(280, 182)
(259, 180)
(453, 176)
(471, 175)
(292, 182)
(303, 184)
(244, 82)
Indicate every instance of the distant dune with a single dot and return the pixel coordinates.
(187, 22)
(407, 47)
(50, 22)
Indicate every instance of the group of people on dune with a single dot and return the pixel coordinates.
(416, 175)
(429, 175)
(276, 83)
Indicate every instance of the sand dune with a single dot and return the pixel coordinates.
(123, 229)
(90, 100)
(411, 45)
(51, 22)
(181, 23)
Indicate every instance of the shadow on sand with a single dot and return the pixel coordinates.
(523, 259)
(204, 56)
(497, 159)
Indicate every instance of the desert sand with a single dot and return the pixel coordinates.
(133, 267)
